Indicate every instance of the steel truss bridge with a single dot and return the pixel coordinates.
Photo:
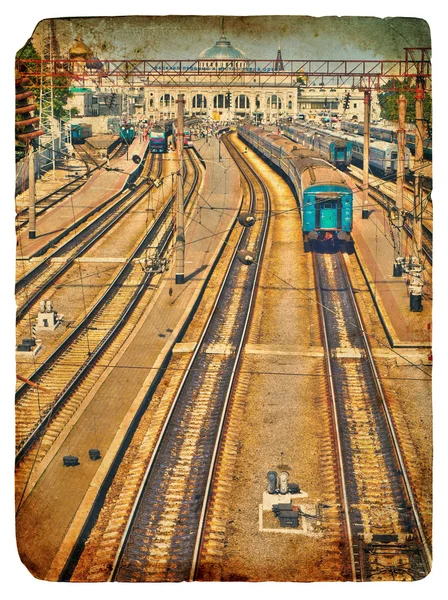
(351, 74)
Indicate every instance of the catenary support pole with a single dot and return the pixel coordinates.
(180, 231)
(401, 142)
(365, 179)
(31, 195)
(418, 163)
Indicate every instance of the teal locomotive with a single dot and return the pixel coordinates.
(127, 132)
(324, 196)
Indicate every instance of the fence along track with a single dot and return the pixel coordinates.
(163, 536)
(66, 369)
(384, 533)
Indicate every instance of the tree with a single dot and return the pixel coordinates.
(61, 89)
(388, 102)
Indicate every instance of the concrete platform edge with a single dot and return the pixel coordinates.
(382, 314)
(89, 508)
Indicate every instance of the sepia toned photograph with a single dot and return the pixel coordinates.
(224, 299)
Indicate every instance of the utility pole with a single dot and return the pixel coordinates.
(415, 264)
(401, 140)
(180, 231)
(366, 154)
(31, 195)
(418, 162)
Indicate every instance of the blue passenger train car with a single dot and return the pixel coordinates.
(79, 132)
(336, 151)
(383, 156)
(387, 135)
(324, 196)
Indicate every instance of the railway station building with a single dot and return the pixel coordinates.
(232, 94)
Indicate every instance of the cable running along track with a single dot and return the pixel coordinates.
(163, 537)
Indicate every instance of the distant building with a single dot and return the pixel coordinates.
(232, 94)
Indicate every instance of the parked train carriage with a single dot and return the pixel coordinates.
(79, 132)
(335, 150)
(383, 156)
(157, 141)
(388, 135)
(187, 132)
(302, 136)
(338, 152)
(187, 138)
(326, 201)
(351, 127)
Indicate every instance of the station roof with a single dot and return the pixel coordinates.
(223, 50)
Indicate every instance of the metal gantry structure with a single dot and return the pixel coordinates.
(411, 74)
(352, 74)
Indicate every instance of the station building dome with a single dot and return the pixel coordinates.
(225, 53)
(223, 50)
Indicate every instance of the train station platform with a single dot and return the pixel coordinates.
(375, 252)
(52, 225)
(58, 499)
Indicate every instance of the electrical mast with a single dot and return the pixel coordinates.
(366, 155)
(180, 231)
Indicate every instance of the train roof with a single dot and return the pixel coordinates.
(378, 144)
(313, 173)
(312, 169)
(321, 133)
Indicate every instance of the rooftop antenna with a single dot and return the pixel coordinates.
(222, 26)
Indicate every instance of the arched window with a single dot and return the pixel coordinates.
(242, 102)
(218, 101)
(166, 101)
(274, 102)
(289, 105)
(199, 101)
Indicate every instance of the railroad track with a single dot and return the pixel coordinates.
(44, 274)
(163, 538)
(385, 536)
(73, 367)
(50, 200)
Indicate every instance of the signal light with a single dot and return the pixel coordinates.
(347, 101)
